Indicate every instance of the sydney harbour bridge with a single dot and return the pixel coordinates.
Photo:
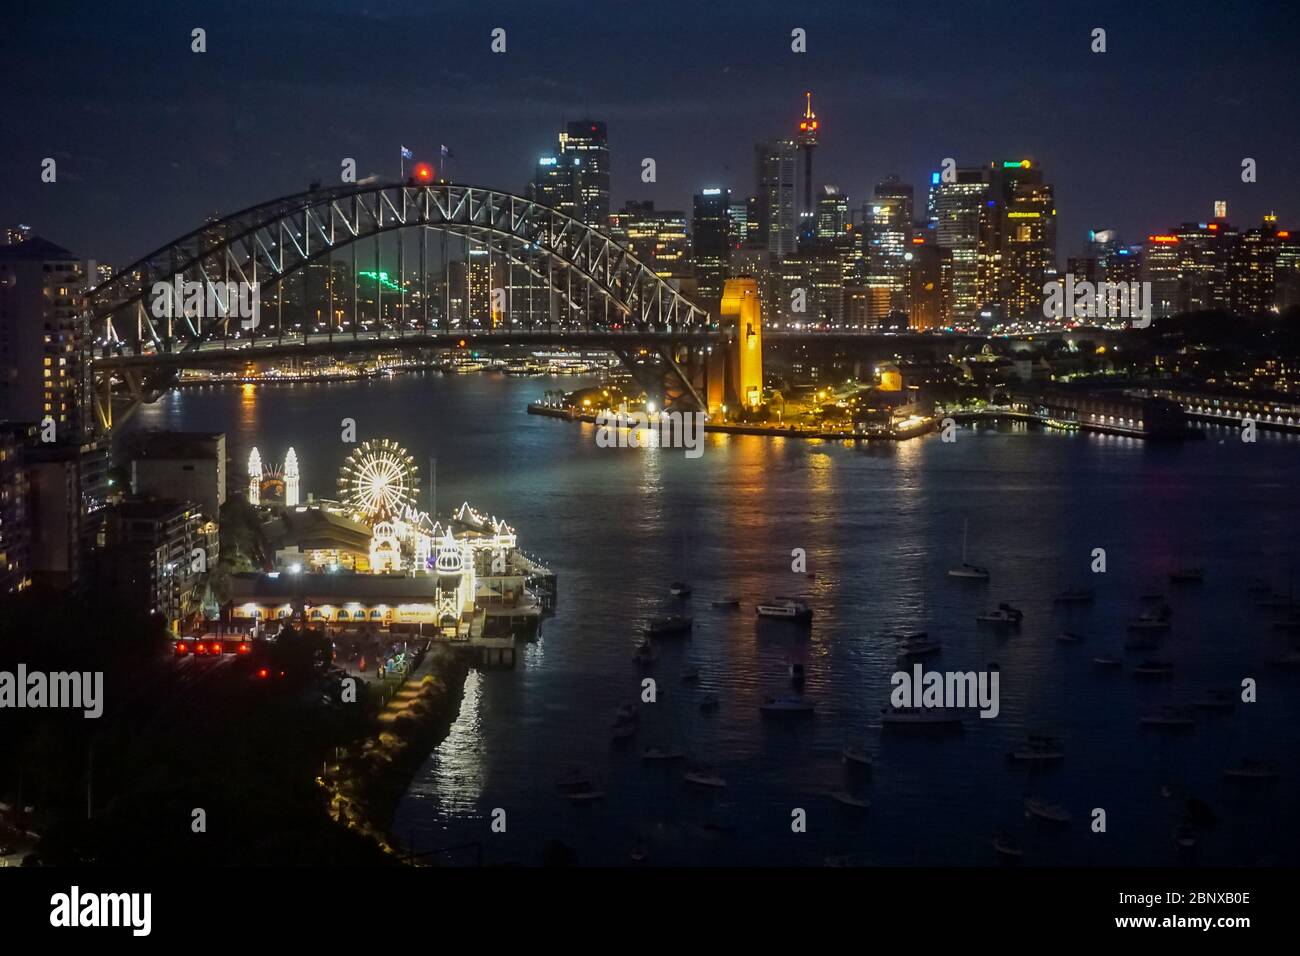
(474, 267)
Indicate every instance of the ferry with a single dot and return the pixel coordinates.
(788, 609)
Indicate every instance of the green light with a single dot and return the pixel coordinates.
(1020, 164)
(382, 279)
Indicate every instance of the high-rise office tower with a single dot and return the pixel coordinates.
(42, 336)
(1253, 269)
(777, 161)
(958, 209)
(887, 235)
(928, 275)
(575, 178)
(738, 211)
(1018, 240)
(588, 143)
(711, 242)
(807, 140)
(833, 218)
(655, 236)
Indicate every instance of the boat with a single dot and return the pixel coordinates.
(1051, 812)
(921, 717)
(1107, 661)
(1074, 596)
(690, 675)
(1152, 621)
(709, 701)
(679, 589)
(661, 753)
(589, 795)
(1004, 615)
(638, 853)
(788, 706)
(466, 366)
(1216, 700)
(846, 799)
(726, 603)
(703, 777)
(1006, 846)
(916, 646)
(856, 755)
(1069, 637)
(1184, 836)
(1175, 718)
(645, 654)
(1186, 575)
(673, 625)
(1154, 668)
(788, 609)
(966, 570)
(1037, 749)
(1251, 770)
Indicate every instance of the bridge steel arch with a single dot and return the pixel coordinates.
(602, 286)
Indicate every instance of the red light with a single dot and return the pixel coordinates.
(1284, 234)
(263, 673)
(281, 673)
(181, 648)
(243, 648)
(918, 240)
(423, 172)
(1214, 227)
(461, 344)
(216, 648)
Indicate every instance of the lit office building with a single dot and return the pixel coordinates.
(42, 287)
(887, 235)
(776, 229)
(586, 142)
(711, 241)
(958, 210)
(657, 237)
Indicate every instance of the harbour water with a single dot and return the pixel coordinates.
(880, 525)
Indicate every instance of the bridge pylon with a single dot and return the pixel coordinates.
(736, 373)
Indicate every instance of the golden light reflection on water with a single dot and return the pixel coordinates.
(459, 774)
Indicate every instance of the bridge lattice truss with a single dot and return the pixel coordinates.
(602, 286)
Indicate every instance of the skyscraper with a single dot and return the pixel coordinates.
(807, 140)
(42, 337)
(777, 160)
(1018, 239)
(655, 236)
(587, 143)
(711, 240)
(575, 178)
(887, 235)
(958, 207)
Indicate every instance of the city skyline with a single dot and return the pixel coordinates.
(1140, 174)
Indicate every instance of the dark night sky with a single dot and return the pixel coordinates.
(150, 137)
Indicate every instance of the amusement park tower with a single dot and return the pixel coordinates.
(807, 141)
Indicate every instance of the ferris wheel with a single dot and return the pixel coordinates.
(378, 479)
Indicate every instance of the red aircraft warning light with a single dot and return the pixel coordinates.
(423, 172)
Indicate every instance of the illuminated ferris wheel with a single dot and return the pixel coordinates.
(378, 479)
